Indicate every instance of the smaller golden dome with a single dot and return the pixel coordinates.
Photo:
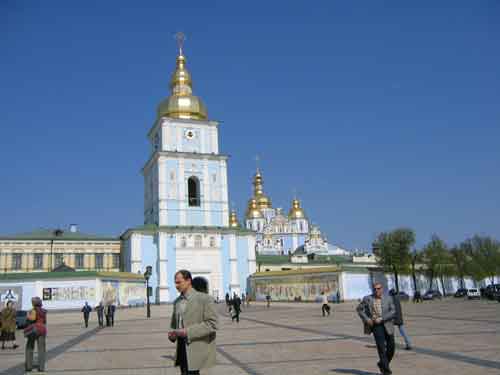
(296, 212)
(253, 211)
(233, 220)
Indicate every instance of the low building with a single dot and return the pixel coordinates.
(45, 249)
(70, 290)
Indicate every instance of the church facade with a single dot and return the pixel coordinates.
(187, 221)
(282, 234)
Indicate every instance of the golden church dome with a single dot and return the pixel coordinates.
(182, 103)
(233, 220)
(253, 211)
(296, 212)
(262, 200)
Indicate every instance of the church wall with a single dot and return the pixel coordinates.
(194, 216)
(173, 212)
(288, 244)
(242, 251)
(126, 254)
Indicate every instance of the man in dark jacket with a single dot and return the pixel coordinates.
(236, 308)
(86, 313)
(398, 318)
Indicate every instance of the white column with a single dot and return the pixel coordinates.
(295, 242)
(224, 193)
(179, 138)
(207, 196)
(162, 191)
(135, 252)
(163, 291)
(181, 194)
(251, 256)
(233, 262)
(203, 139)
(215, 140)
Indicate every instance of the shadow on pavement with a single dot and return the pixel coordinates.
(353, 371)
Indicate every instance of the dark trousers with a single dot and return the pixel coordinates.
(30, 347)
(182, 358)
(236, 315)
(385, 345)
(100, 319)
(325, 309)
(86, 319)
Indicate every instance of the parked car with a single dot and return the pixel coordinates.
(403, 296)
(432, 294)
(491, 290)
(461, 292)
(21, 316)
(473, 293)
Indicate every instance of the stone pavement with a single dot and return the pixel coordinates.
(450, 336)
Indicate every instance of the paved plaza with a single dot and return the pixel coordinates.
(450, 337)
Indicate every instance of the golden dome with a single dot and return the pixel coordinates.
(253, 211)
(262, 200)
(233, 220)
(182, 103)
(296, 212)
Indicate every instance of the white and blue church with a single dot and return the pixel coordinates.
(187, 221)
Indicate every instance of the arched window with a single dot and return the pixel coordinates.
(183, 242)
(212, 241)
(197, 241)
(193, 191)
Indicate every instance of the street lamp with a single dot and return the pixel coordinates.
(147, 275)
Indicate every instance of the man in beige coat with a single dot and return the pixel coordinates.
(194, 322)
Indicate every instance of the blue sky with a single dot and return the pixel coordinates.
(379, 114)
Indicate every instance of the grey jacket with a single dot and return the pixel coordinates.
(200, 321)
(365, 311)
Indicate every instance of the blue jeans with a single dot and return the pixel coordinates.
(402, 332)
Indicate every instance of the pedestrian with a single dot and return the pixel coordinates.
(398, 318)
(194, 325)
(417, 297)
(268, 300)
(86, 309)
(36, 332)
(325, 308)
(242, 300)
(236, 308)
(248, 300)
(110, 315)
(99, 309)
(200, 284)
(377, 312)
(8, 324)
(338, 296)
(228, 302)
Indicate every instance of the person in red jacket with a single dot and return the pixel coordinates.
(36, 333)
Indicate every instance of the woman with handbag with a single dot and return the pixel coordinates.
(8, 331)
(36, 332)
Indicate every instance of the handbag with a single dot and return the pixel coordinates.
(31, 332)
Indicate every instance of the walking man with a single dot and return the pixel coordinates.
(86, 313)
(194, 325)
(377, 312)
(236, 308)
(325, 309)
(99, 309)
(398, 318)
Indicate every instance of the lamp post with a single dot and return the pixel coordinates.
(147, 275)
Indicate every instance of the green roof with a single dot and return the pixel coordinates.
(58, 235)
(152, 229)
(318, 259)
(69, 275)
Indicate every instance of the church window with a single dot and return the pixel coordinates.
(193, 191)
(212, 241)
(301, 226)
(183, 242)
(59, 259)
(99, 261)
(197, 241)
